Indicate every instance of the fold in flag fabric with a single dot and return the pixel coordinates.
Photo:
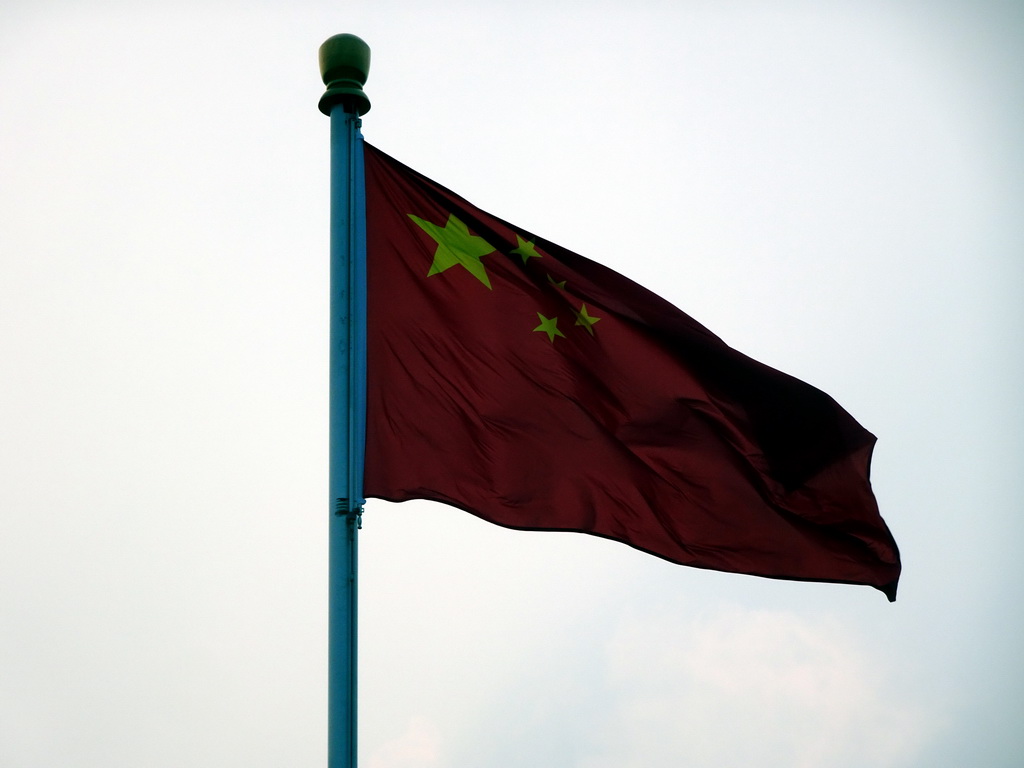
(536, 389)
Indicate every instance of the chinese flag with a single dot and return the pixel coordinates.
(536, 389)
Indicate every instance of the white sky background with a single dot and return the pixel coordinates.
(834, 188)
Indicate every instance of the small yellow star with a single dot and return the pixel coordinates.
(556, 283)
(549, 325)
(525, 249)
(585, 319)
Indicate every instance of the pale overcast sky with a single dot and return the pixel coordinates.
(835, 188)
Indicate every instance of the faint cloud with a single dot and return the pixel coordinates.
(418, 747)
(755, 687)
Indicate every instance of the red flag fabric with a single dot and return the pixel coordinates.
(525, 384)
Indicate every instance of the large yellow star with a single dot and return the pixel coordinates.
(455, 246)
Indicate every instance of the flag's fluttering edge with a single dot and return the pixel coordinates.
(536, 389)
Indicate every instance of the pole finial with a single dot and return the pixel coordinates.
(344, 65)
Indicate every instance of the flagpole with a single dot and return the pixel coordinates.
(344, 65)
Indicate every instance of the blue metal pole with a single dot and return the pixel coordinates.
(344, 61)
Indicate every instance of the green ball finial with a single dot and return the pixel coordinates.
(344, 65)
